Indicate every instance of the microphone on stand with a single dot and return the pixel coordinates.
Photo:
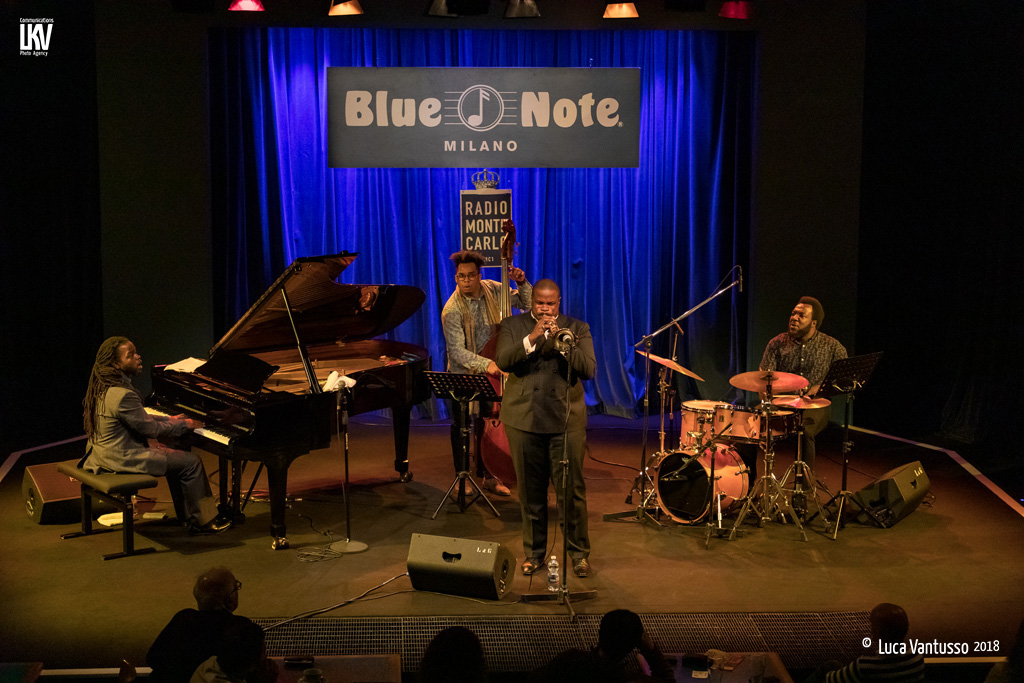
(565, 339)
(741, 278)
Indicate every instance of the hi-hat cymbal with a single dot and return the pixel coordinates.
(758, 380)
(672, 365)
(801, 402)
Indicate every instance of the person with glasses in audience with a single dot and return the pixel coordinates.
(195, 635)
(469, 319)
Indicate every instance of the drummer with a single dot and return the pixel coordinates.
(803, 350)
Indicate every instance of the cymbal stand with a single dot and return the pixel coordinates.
(662, 390)
(643, 479)
(805, 481)
(767, 486)
(641, 514)
(713, 525)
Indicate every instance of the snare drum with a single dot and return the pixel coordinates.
(696, 418)
(683, 482)
(747, 426)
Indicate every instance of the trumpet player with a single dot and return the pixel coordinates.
(547, 356)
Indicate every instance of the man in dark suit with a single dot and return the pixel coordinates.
(543, 412)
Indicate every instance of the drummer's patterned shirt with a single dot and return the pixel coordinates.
(810, 359)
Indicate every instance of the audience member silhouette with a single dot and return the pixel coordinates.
(454, 656)
(195, 635)
(572, 666)
(1013, 668)
(889, 626)
(241, 658)
(621, 632)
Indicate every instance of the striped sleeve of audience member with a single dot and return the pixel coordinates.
(907, 668)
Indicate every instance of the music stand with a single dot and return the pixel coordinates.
(463, 389)
(847, 376)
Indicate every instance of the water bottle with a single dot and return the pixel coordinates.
(553, 582)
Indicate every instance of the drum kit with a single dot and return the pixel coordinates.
(705, 476)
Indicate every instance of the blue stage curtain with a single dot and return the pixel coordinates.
(631, 248)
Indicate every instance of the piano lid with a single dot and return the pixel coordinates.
(325, 311)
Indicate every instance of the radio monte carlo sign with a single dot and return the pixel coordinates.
(454, 117)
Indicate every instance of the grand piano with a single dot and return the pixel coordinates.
(259, 394)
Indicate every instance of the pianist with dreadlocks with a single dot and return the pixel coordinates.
(122, 437)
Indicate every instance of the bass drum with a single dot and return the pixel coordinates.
(683, 482)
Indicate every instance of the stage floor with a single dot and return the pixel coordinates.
(954, 564)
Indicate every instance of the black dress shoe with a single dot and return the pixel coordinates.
(531, 565)
(215, 526)
(581, 567)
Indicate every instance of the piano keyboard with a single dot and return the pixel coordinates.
(211, 433)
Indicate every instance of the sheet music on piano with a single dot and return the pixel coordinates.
(186, 365)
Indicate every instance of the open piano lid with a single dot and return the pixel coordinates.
(324, 310)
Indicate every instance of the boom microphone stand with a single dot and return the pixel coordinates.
(641, 514)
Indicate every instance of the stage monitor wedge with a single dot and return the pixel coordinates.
(51, 497)
(895, 494)
(460, 566)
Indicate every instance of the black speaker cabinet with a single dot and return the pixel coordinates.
(51, 497)
(460, 566)
(895, 494)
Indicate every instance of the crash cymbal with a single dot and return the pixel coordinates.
(801, 402)
(757, 380)
(672, 365)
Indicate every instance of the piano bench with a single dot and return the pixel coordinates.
(117, 490)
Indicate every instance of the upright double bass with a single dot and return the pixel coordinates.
(494, 444)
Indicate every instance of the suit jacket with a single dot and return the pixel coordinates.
(534, 398)
(123, 427)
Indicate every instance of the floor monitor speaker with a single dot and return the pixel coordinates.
(460, 566)
(895, 494)
(51, 497)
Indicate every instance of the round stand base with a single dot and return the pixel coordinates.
(348, 546)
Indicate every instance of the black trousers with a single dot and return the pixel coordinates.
(814, 421)
(537, 459)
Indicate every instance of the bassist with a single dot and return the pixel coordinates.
(469, 319)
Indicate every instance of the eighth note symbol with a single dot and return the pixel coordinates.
(475, 120)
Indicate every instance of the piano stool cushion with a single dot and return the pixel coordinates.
(114, 484)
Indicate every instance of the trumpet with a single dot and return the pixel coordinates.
(565, 340)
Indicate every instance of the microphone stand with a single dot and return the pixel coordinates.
(564, 595)
(347, 545)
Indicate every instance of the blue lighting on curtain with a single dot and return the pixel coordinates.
(631, 248)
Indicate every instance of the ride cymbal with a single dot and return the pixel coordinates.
(758, 380)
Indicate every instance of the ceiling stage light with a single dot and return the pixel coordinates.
(737, 9)
(246, 6)
(343, 8)
(620, 10)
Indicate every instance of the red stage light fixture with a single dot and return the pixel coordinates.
(737, 9)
